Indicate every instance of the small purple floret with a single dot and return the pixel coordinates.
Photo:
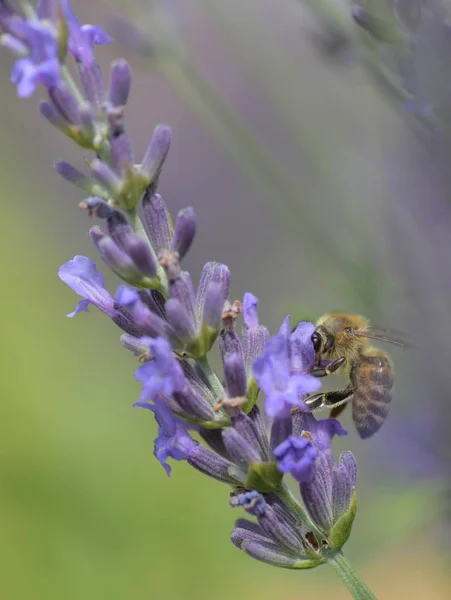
(323, 430)
(283, 390)
(163, 374)
(42, 66)
(173, 441)
(82, 38)
(82, 276)
(296, 455)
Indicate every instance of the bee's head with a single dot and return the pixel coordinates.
(323, 342)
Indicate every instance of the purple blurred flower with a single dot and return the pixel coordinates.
(82, 38)
(273, 372)
(82, 276)
(42, 66)
(172, 441)
(163, 374)
(297, 455)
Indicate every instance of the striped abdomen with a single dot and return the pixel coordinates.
(372, 378)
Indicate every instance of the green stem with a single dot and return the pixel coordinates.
(71, 84)
(288, 498)
(211, 376)
(357, 587)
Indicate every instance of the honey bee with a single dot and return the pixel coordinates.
(343, 339)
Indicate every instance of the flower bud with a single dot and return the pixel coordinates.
(184, 232)
(120, 83)
(235, 375)
(77, 178)
(155, 155)
(254, 335)
(113, 256)
(158, 221)
(133, 245)
(92, 82)
(49, 111)
(217, 273)
(193, 404)
(181, 321)
(121, 154)
(65, 103)
(106, 177)
(209, 463)
(246, 427)
(239, 449)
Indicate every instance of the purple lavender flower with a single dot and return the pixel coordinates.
(82, 38)
(163, 374)
(322, 431)
(82, 276)
(273, 372)
(173, 441)
(42, 66)
(297, 455)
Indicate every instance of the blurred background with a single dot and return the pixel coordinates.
(316, 155)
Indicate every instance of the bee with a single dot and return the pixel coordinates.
(343, 339)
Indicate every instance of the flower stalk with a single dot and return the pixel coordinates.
(351, 579)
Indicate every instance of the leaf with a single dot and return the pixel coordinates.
(341, 531)
(264, 477)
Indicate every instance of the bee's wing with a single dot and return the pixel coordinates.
(390, 336)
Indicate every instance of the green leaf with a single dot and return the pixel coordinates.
(251, 395)
(264, 477)
(342, 529)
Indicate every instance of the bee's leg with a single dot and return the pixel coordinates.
(337, 410)
(329, 398)
(331, 368)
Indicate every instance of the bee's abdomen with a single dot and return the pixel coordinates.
(373, 379)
